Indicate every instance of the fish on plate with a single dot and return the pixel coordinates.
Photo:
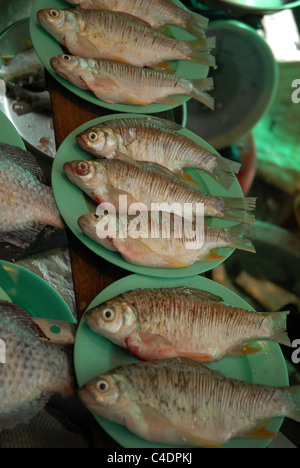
(116, 36)
(162, 240)
(33, 369)
(157, 12)
(180, 402)
(122, 83)
(25, 70)
(27, 203)
(146, 185)
(163, 323)
(156, 140)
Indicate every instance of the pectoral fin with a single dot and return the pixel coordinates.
(148, 346)
(79, 45)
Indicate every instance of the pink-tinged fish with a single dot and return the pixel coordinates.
(121, 83)
(160, 240)
(183, 322)
(33, 371)
(108, 179)
(27, 203)
(158, 141)
(113, 36)
(180, 402)
(157, 12)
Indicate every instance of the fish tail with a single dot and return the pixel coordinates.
(200, 51)
(279, 327)
(196, 24)
(225, 171)
(237, 239)
(198, 92)
(240, 209)
(294, 398)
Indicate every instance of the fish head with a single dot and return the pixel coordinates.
(108, 395)
(58, 23)
(86, 175)
(74, 69)
(99, 141)
(115, 319)
(89, 224)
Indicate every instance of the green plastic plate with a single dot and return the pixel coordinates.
(47, 47)
(32, 293)
(73, 203)
(94, 355)
(8, 133)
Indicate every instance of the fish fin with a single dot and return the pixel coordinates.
(198, 93)
(198, 293)
(294, 397)
(22, 236)
(236, 239)
(80, 45)
(158, 424)
(113, 196)
(279, 327)
(169, 101)
(100, 85)
(188, 178)
(148, 346)
(199, 51)
(196, 440)
(225, 171)
(170, 124)
(201, 358)
(167, 67)
(165, 30)
(24, 159)
(212, 256)
(240, 209)
(13, 312)
(172, 262)
(196, 24)
(261, 432)
(245, 350)
(127, 159)
(136, 101)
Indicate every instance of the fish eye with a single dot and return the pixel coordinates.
(83, 168)
(96, 216)
(54, 13)
(108, 315)
(66, 58)
(93, 136)
(102, 386)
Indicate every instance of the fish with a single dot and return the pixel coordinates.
(24, 69)
(157, 13)
(162, 240)
(113, 36)
(183, 403)
(33, 369)
(156, 140)
(29, 101)
(121, 83)
(27, 204)
(164, 323)
(148, 187)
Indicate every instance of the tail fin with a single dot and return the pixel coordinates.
(294, 399)
(237, 239)
(240, 209)
(198, 88)
(196, 24)
(225, 171)
(279, 326)
(199, 51)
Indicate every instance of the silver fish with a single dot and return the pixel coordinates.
(181, 402)
(33, 369)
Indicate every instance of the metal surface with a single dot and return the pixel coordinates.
(36, 129)
(249, 7)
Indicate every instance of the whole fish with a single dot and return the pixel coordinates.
(183, 322)
(156, 140)
(105, 181)
(115, 36)
(27, 203)
(24, 69)
(32, 370)
(157, 12)
(115, 82)
(181, 402)
(162, 240)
